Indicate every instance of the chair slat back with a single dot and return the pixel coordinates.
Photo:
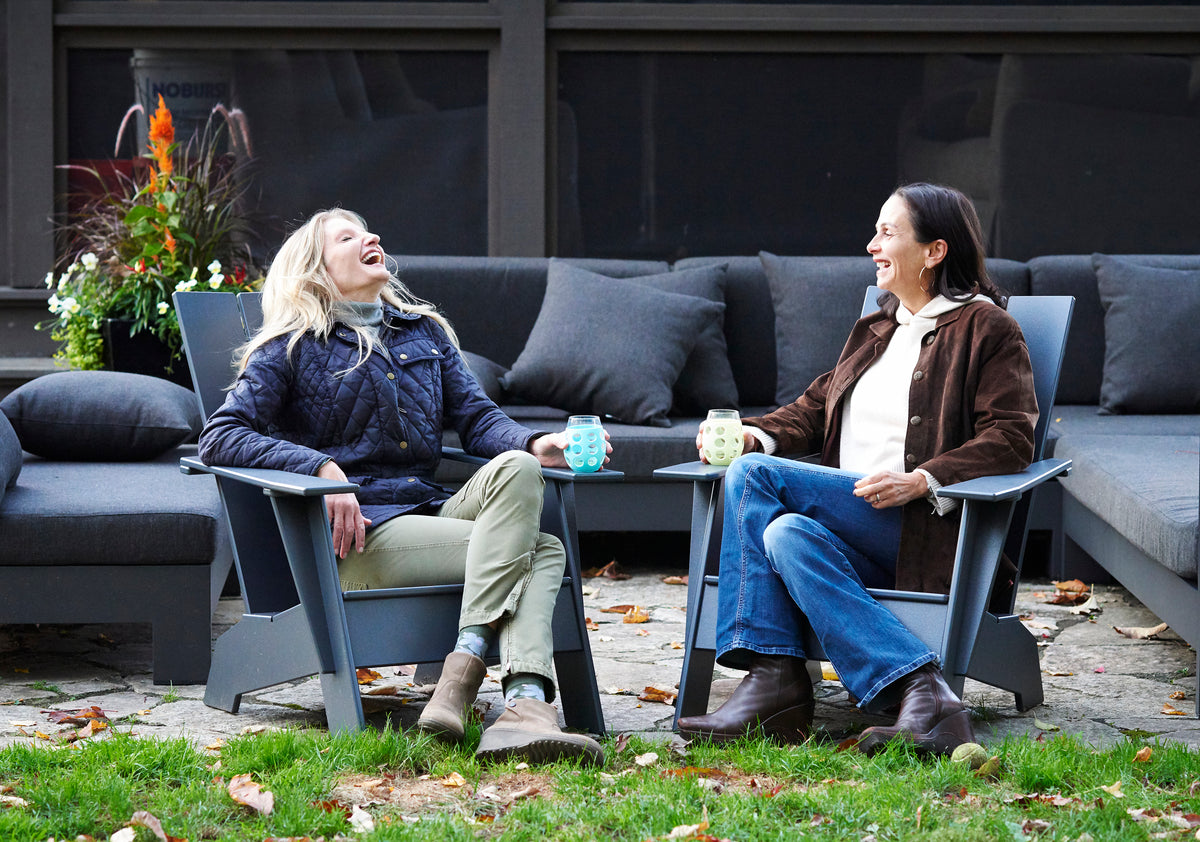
(1044, 320)
(213, 325)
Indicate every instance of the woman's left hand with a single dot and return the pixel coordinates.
(549, 449)
(891, 488)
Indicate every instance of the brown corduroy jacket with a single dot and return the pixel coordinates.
(972, 413)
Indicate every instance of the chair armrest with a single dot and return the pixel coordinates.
(1006, 486)
(457, 454)
(270, 481)
(695, 471)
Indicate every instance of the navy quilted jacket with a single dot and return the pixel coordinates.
(381, 423)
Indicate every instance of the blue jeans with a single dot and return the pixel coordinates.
(798, 545)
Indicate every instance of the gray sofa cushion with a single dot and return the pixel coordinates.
(111, 513)
(1150, 317)
(1080, 420)
(816, 301)
(1144, 487)
(706, 381)
(609, 347)
(10, 455)
(488, 373)
(101, 416)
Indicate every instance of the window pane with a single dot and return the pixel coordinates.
(400, 137)
(688, 154)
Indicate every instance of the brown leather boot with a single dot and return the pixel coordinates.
(774, 700)
(931, 717)
(462, 673)
(528, 729)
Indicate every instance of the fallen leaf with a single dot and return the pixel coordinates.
(1099, 668)
(1069, 593)
(1087, 607)
(1143, 754)
(675, 580)
(693, 772)
(647, 759)
(1059, 673)
(1141, 632)
(361, 821)
(125, 834)
(590, 624)
(618, 609)
(333, 806)
(654, 694)
(245, 791)
(385, 690)
(622, 742)
(828, 673)
(637, 614)
(454, 780)
(675, 644)
(12, 801)
(1044, 726)
(1177, 695)
(367, 675)
(612, 570)
(1114, 790)
(990, 769)
(22, 723)
(604, 639)
(76, 717)
(149, 821)
(1170, 711)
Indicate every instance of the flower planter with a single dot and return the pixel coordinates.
(141, 353)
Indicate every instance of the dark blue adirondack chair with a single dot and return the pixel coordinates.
(970, 639)
(297, 619)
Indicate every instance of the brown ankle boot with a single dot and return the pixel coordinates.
(462, 673)
(931, 717)
(774, 700)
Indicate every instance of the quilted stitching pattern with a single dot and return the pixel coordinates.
(382, 422)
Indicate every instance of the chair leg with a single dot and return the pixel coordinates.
(258, 651)
(343, 701)
(1006, 656)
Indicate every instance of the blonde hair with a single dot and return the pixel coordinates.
(298, 295)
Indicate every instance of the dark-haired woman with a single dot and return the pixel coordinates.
(933, 389)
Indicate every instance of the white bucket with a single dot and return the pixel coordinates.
(191, 83)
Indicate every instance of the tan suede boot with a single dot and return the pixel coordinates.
(462, 673)
(529, 729)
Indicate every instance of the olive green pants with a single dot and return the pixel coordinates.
(485, 537)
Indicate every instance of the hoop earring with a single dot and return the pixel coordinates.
(920, 275)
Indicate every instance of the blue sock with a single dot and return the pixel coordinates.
(523, 685)
(474, 639)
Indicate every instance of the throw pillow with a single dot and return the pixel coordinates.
(609, 347)
(10, 455)
(806, 292)
(488, 373)
(706, 381)
(101, 416)
(1150, 317)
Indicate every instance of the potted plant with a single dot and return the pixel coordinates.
(175, 222)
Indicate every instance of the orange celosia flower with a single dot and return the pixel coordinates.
(162, 135)
(169, 241)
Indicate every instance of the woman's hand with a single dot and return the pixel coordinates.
(549, 449)
(891, 488)
(345, 517)
(750, 443)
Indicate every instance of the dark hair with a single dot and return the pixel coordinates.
(943, 213)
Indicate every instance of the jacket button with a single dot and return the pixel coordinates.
(403, 445)
(915, 420)
(404, 356)
(929, 339)
(412, 479)
(433, 350)
(910, 458)
(918, 375)
(391, 375)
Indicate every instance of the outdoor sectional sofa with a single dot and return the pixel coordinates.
(547, 337)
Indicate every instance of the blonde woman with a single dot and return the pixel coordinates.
(351, 378)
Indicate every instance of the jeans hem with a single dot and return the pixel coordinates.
(739, 655)
(891, 677)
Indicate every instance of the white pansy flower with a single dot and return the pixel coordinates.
(214, 267)
(54, 304)
(71, 305)
(163, 307)
(185, 286)
(49, 280)
(215, 281)
(195, 272)
(89, 261)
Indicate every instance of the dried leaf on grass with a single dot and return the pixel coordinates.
(1114, 789)
(245, 791)
(1141, 632)
(612, 570)
(149, 821)
(454, 780)
(361, 821)
(1143, 755)
(12, 801)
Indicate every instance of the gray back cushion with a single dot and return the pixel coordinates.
(497, 326)
(10, 455)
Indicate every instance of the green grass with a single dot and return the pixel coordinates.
(747, 791)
